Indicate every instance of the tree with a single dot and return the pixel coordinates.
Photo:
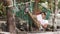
(10, 16)
(55, 13)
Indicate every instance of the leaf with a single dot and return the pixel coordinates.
(1, 5)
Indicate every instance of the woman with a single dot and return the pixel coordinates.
(41, 18)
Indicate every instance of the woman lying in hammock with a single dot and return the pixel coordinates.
(41, 18)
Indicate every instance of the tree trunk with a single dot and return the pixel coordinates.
(36, 9)
(55, 13)
(10, 16)
(11, 21)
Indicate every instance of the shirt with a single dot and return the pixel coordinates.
(41, 20)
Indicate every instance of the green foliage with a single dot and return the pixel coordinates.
(2, 10)
(59, 5)
(42, 1)
(19, 1)
(1, 5)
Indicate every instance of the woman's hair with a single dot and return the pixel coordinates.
(43, 12)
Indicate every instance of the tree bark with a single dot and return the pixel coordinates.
(36, 9)
(10, 16)
(55, 13)
(11, 21)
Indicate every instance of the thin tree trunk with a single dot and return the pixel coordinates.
(10, 16)
(11, 21)
(55, 13)
(36, 9)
